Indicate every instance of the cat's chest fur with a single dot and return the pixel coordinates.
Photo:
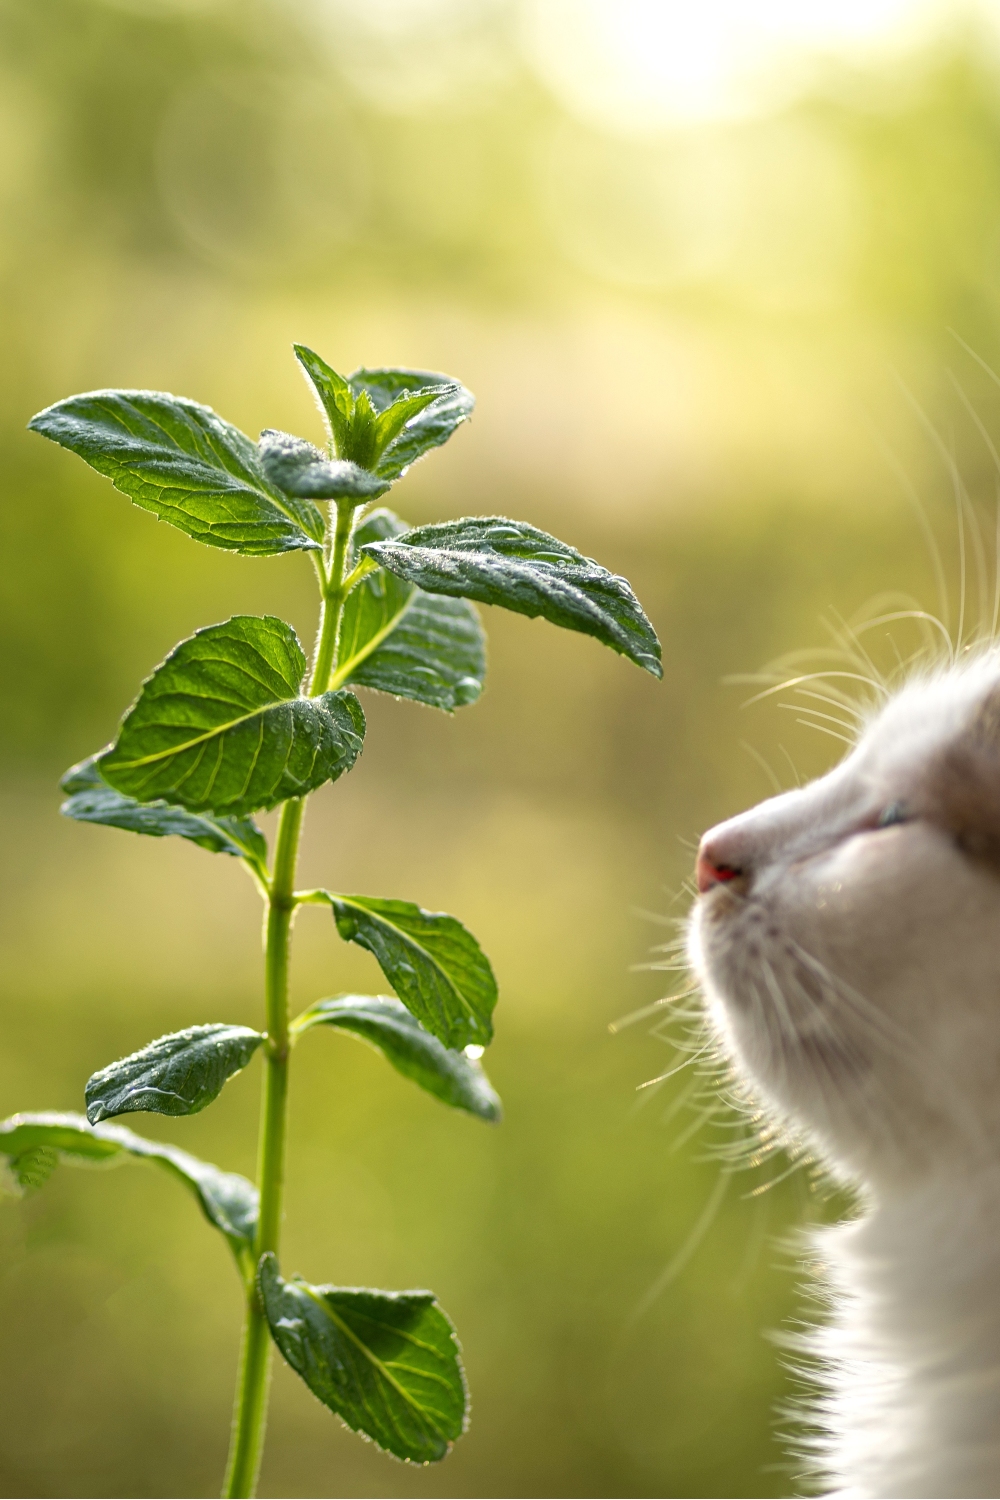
(847, 939)
(911, 1354)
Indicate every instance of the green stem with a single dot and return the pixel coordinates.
(250, 1410)
(333, 602)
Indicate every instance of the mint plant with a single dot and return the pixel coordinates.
(230, 724)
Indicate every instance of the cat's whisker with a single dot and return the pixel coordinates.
(900, 664)
(756, 755)
(794, 682)
(679, 1103)
(893, 607)
(921, 615)
(765, 1187)
(995, 457)
(687, 1250)
(845, 739)
(645, 1012)
(845, 633)
(695, 1125)
(948, 455)
(930, 541)
(658, 918)
(850, 730)
(888, 1031)
(670, 1072)
(853, 709)
(791, 766)
(780, 1003)
(951, 469)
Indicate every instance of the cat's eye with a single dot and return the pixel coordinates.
(896, 812)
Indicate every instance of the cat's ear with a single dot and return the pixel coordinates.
(962, 795)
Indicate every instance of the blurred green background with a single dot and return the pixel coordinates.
(705, 305)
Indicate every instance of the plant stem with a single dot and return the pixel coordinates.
(250, 1410)
(333, 602)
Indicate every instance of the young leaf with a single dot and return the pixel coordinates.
(334, 396)
(32, 1169)
(399, 640)
(520, 568)
(298, 468)
(175, 1075)
(394, 418)
(361, 442)
(453, 1077)
(91, 800)
(186, 465)
(388, 1363)
(435, 966)
(384, 420)
(228, 1201)
(220, 725)
(428, 428)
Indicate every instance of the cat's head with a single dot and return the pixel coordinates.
(847, 938)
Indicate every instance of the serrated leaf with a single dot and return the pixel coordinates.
(334, 396)
(91, 800)
(389, 1027)
(177, 1074)
(228, 1201)
(33, 1168)
(181, 461)
(518, 567)
(297, 468)
(427, 428)
(399, 640)
(401, 412)
(388, 1363)
(220, 725)
(384, 420)
(433, 963)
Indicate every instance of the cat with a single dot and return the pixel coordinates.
(846, 939)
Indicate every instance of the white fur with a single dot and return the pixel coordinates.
(852, 975)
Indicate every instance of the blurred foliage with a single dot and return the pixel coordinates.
(686, 350)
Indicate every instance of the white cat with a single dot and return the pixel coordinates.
(847, 939)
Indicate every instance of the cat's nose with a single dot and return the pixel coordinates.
(715, 864)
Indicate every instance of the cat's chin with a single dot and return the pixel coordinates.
(812, 1090)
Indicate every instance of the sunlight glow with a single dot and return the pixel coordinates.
(642, 65)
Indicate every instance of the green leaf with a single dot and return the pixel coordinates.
(220, 725)
(361, 443)
(388, 1363)
(297, 468)
(399, 640)
(394, 418)
(91, 800)
(186, 465)
(435, 966)
(453, 1077)
(384, 420)
(175, 1075)
(228, 1201)
(429, 427)
(33, 1168)
(520, 568)
(334, 396)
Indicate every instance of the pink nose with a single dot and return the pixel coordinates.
(710, 870)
